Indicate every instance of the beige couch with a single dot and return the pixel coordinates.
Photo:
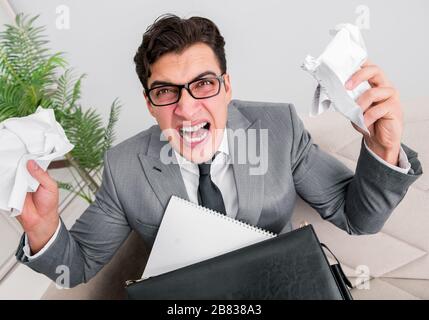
(397, 257)
(393, 264)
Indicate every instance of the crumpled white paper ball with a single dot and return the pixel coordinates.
(36, 137)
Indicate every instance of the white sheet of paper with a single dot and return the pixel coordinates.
(344, 55)
(189, 233)
(37, 136)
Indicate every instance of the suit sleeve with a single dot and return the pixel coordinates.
(91, 242)
(360, 202)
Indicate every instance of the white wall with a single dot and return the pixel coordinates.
(266, 43)
(6, 13)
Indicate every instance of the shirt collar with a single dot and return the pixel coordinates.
(223, 147)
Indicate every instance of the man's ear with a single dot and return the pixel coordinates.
(228, 88)
(148, 104)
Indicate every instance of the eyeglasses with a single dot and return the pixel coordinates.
(202, 88)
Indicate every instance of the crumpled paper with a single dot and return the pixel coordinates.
(344, 55)
(36, 137)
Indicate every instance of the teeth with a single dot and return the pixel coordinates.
(189, 139)
(193, 128)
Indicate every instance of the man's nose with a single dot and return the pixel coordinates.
(187, 106)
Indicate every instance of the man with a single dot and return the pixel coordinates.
(181, 64)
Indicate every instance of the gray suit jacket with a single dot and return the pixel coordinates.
(137, 186)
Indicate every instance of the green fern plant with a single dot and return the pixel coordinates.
(32, 76)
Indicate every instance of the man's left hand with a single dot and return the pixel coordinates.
(382, 112)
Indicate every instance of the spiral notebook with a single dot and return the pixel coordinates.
(190, 233)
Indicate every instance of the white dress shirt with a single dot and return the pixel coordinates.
(223, 176)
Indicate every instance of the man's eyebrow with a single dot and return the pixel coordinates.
(166, 83)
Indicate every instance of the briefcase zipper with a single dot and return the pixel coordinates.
(130, 282)
(303, 224)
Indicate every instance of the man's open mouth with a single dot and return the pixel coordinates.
(196, 133)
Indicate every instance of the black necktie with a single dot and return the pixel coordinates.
(209, 194)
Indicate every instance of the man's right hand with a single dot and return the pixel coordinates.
(39, 216)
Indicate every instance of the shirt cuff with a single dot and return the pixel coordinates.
(27, 250)
(404, 165)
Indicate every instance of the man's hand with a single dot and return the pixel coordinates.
(39, 216)
(382, 112)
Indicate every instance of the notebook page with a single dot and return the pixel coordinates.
(189, 233)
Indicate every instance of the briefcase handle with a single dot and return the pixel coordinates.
(343, 281)
(342, 274)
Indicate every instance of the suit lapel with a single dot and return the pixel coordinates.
(165, 179)
(250, 188)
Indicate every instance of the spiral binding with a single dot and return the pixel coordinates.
(222, 216)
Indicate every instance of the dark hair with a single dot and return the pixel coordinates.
(170, 33)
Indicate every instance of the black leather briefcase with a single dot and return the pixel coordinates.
(290, 266)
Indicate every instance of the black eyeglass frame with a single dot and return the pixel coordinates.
(187, 87)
